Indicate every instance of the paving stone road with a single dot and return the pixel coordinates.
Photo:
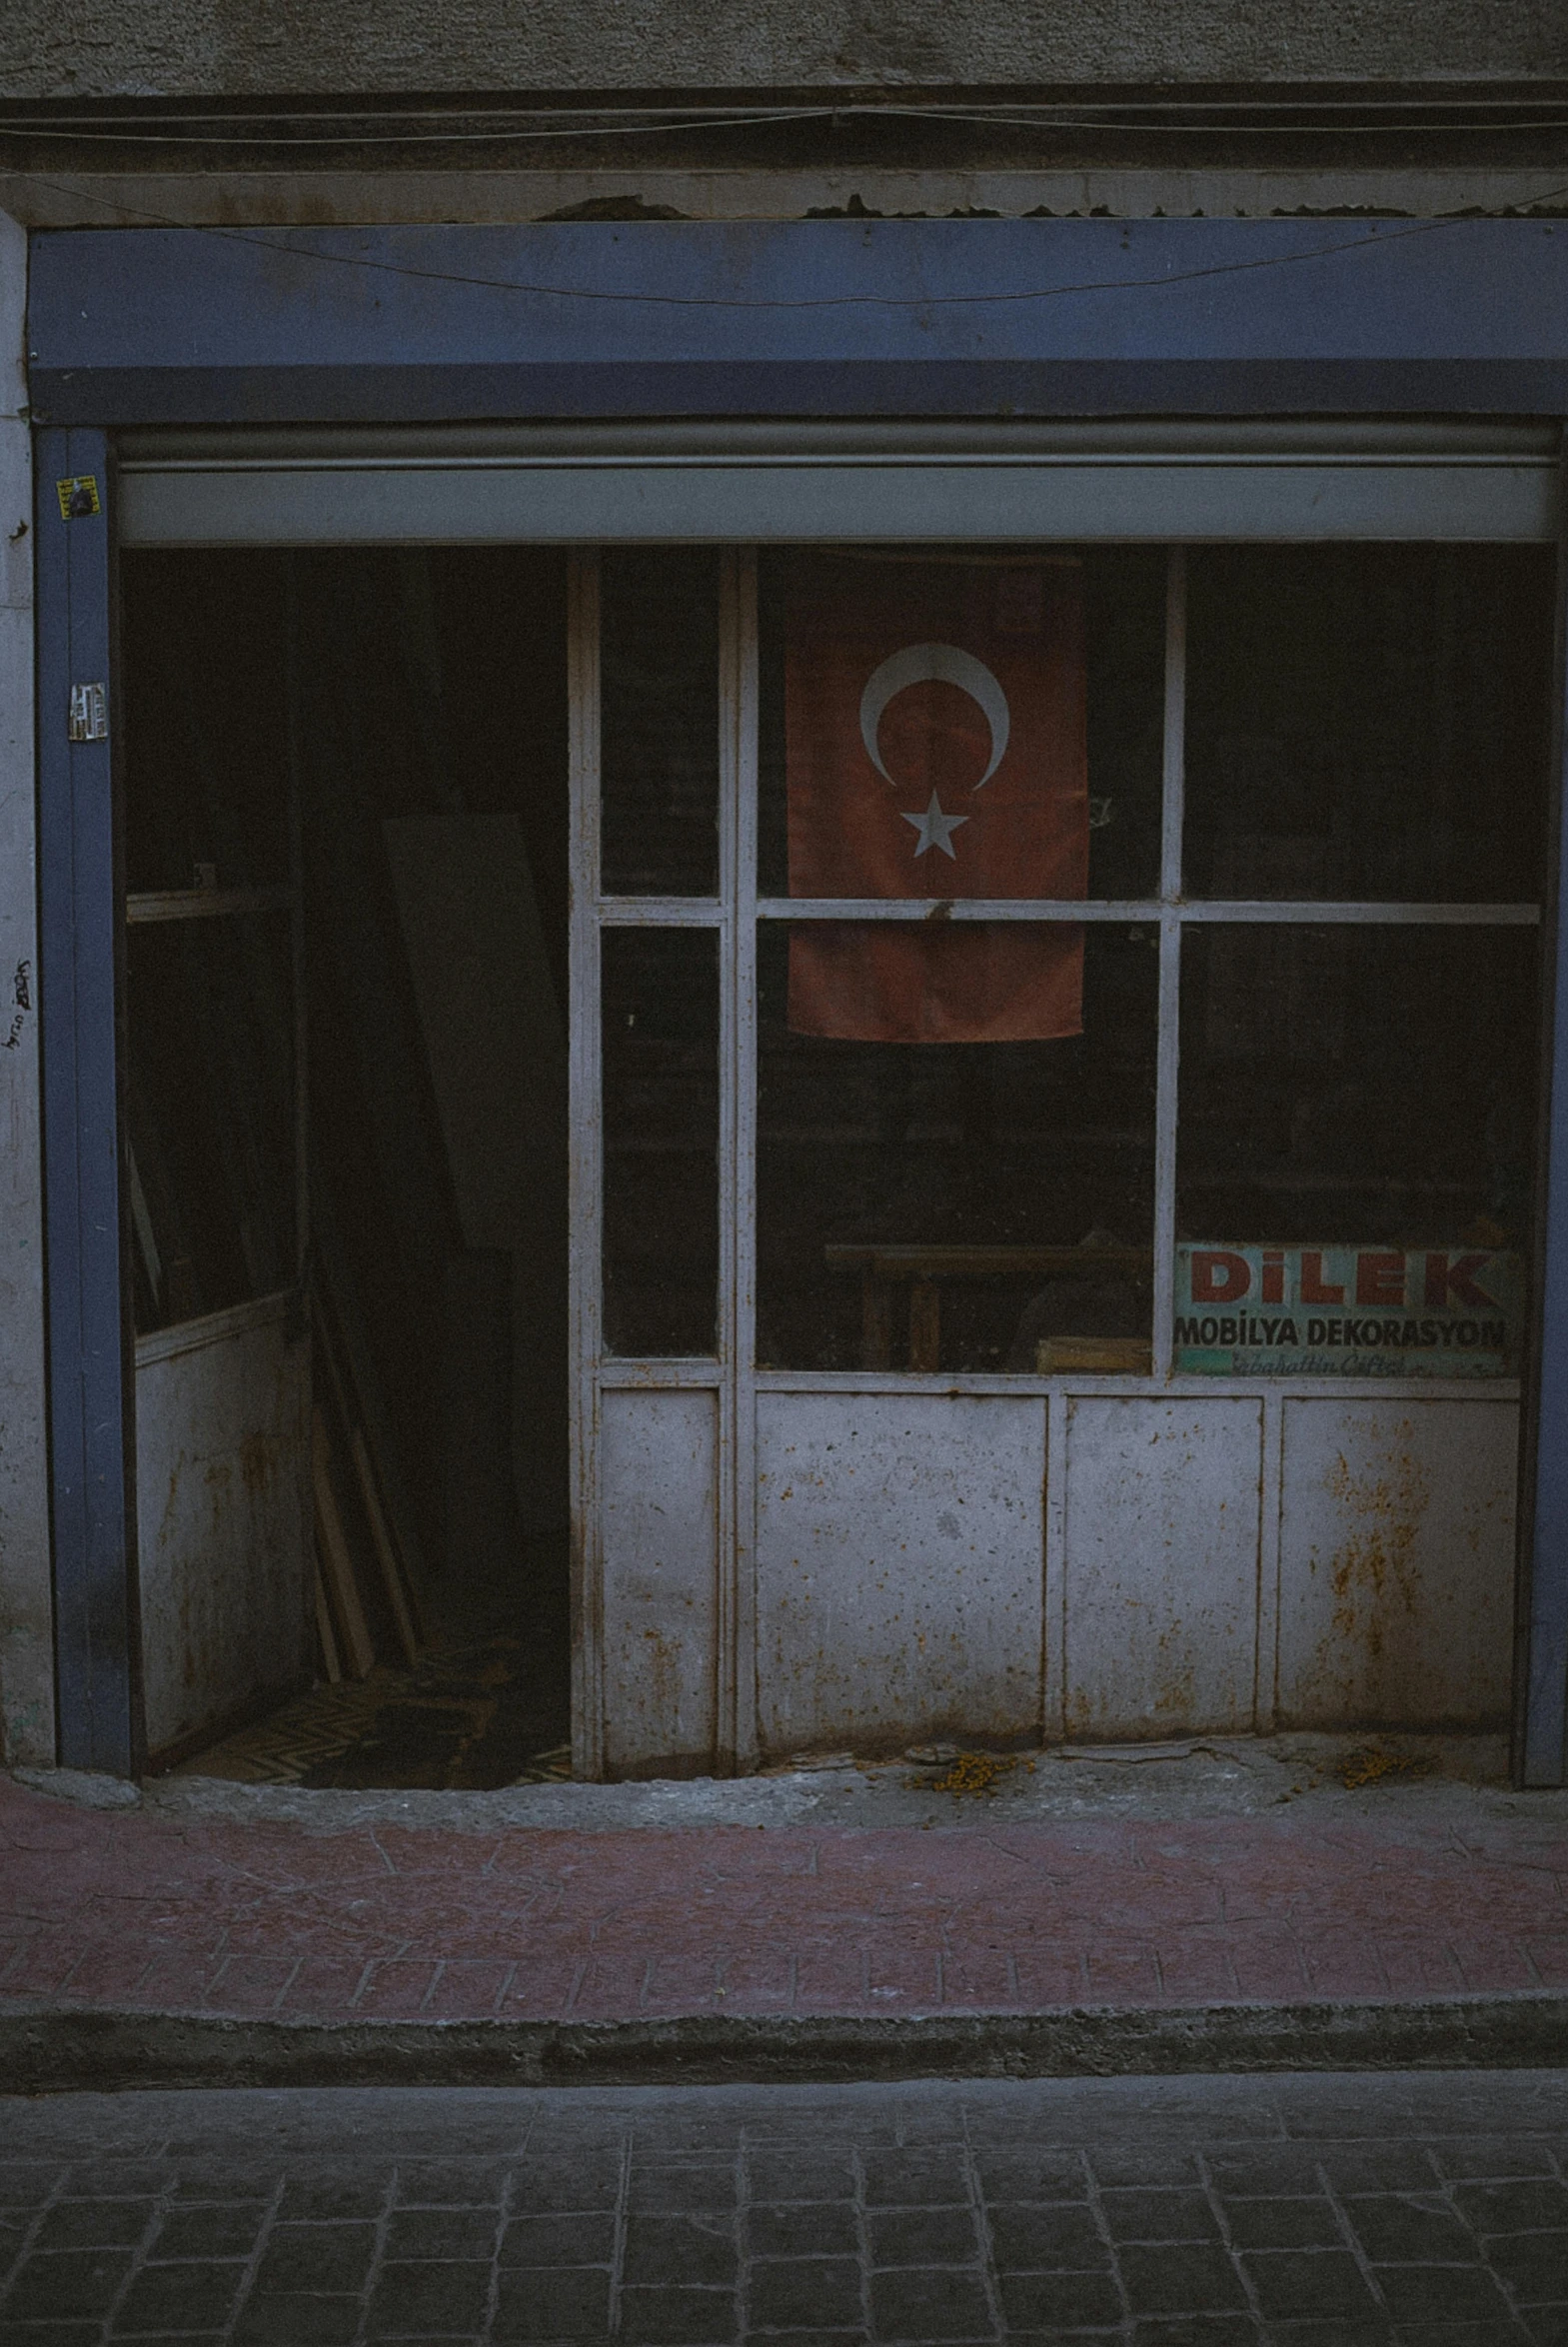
(1406, 2210)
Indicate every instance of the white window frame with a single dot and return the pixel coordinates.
(734, 915)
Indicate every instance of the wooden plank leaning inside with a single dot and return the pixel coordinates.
(336, 1558)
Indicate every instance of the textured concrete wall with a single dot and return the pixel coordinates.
(26, 1627)
(138, 48)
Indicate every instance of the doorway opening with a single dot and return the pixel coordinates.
(345, 1119)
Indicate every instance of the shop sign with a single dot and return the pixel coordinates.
(1348, 1311)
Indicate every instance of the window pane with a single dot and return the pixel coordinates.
(1355, 1148)
(659, 722)
(208, 1105)
(1368, 722)
(959, 1205)
(660, 1027)
(1073, 648)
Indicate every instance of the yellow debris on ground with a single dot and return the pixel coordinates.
(1373, 1762)
(974, 1772)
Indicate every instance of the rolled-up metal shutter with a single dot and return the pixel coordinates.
(760, 483)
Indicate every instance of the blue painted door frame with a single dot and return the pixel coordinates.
(97, 1617)
(131, 328)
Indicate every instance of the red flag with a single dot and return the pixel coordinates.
(935, 747)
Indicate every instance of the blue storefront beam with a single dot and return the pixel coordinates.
(801, 318)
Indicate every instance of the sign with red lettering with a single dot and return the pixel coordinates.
(1348, 1311)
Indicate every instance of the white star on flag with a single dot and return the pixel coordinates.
(935, 828)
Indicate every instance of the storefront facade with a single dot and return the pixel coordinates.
(1101, 1291)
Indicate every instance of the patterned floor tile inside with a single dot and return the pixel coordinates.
(467, 1717)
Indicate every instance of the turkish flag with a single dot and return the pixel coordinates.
(934, 733)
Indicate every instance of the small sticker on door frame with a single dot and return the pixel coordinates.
(79, 497)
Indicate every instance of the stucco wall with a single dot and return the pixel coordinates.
(26, 1649)
(146, 47)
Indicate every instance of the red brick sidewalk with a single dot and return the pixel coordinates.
(140, 1912)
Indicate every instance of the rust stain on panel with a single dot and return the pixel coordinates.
(1374, 1567)
(1396, 1562)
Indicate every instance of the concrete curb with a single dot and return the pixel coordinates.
(60, 2049)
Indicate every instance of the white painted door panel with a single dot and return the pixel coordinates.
(222, 1508)
(900, 1562)
(1396, 1562)
(659, 1463)
(1162, 1524)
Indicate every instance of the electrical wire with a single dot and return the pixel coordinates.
(604, 122)
(464, 108)
(1291, 130)
(443, 138)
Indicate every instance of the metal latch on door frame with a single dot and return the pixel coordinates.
(89, 718)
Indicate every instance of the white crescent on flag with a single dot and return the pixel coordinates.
(935, 664)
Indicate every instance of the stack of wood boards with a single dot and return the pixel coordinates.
(368, 1571)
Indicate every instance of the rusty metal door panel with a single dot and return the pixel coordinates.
(899, 1567)
(223, 1516)
(1397, 1562)
(659, 1469)
(1162, 1533)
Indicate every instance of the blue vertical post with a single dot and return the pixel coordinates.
(80, 920)
(1543, 1747)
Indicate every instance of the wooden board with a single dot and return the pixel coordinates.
(337, 1561)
